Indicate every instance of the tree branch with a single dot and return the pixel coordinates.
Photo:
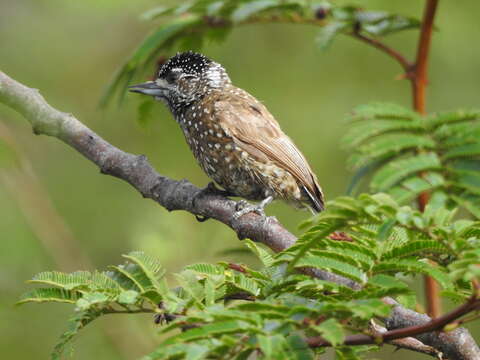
(182, 195)
(427, 328)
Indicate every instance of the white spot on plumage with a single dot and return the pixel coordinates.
(278, 172)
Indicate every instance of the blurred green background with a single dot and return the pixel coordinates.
(58, 212)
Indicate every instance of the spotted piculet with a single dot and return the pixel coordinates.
(233, 136)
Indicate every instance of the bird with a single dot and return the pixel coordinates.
(234, 138)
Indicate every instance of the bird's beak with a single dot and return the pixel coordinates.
(147, 88)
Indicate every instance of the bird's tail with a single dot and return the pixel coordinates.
(315, 201)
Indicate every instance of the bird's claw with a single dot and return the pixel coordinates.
(243, 207)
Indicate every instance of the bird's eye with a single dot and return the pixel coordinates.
(171, 77)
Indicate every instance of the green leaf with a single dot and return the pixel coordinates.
(416, 248)
(333, 265)
(327, 33)
(272, 345)
(394, 171)
(356, 251)
(156, 12)
(250, 8)
(49, 295)
(89, 299)
(221, 327)
(379, 110)
(469, 201)
(263, 254)
(128, 297)
(241, 282)
(391, 144)
(196, 352)
(414, 185)
(190, 284)
(332, 331)
(410, 266)
(208, 269)
(463, 151)
(78, 322)
(299, 349)
(152, 270)
(381, 24)
(63, 280)
(369, 308)
(364, 130)
(460, 116)
(386, 281)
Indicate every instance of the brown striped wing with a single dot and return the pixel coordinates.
(256, 131)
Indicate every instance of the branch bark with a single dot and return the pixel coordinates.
(182, 195)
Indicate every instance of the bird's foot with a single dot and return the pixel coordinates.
(243, 207)
(210, 189)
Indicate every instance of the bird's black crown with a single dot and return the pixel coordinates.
(190, 63)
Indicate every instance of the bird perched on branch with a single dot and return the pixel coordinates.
(233, 136)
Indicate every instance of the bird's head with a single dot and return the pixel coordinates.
(185, 78)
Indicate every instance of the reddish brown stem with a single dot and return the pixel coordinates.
(419, 83)
(406, 65)
(434, 325)
(419, 80)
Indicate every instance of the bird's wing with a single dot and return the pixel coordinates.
(256, 131)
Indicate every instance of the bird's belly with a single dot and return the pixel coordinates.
(241, 174)
(234, 173)
(235, 169)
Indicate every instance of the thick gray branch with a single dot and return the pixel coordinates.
(182, 195)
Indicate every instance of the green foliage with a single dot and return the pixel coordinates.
(187, 25)
(375, 243)
(411, 154)
(223, 308)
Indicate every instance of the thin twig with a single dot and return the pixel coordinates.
(402, 60)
